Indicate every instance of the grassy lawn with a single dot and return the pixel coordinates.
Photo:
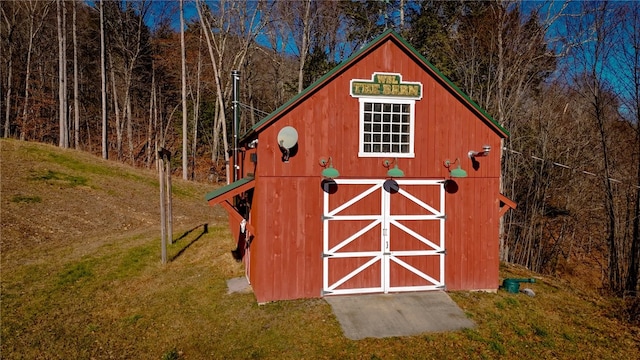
(81, 278)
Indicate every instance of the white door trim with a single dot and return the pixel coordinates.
(385, 219)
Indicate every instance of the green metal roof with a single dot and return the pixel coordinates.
(352, 58)
(228, 189)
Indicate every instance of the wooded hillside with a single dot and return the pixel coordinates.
(119, 79)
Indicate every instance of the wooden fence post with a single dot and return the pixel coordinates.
(169, 202)
(166, 223)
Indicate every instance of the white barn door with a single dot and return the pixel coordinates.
(383, 236)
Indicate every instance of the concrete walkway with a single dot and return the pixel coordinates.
(238, 285)
(387, 315)
(402, 314)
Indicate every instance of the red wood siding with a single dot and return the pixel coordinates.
(328, 124)
(472, 235)
(286, 256)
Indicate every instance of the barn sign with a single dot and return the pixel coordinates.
(359, 184)
(382, 84)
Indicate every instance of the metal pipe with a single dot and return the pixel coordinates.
(235, 74)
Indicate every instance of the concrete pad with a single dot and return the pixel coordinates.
(402, 314)
(238, 285)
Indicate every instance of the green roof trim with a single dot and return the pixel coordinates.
(357, 54)
(228, 188)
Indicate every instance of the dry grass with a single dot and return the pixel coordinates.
(82, 279)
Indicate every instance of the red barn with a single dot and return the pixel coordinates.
(380, 177)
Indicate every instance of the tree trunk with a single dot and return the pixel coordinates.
(65, 79)
(304, 48)
(196, 111)
(103, 78)
(631, 283)
(76, 100)
(116, 108)
(62, 81)
(150, 127)
(183, 59)
(129, 115)
(7, 104)
(37, 11)
(27, 83)
(220, 118)
(252, 25)
(10, 23)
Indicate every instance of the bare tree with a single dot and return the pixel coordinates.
(304, 43)
(62, 75)
(229, 35)
(116, 105)
(129, 42)
(40, 10)
(311, 29)
(183, 59)
(499, 55)
(594, 57)
(599, 100)
(9, 15)
(275, 31)
(103, 78)
(76, 99)
(634, 255)
(629, 60)
(150, 127)
(196, 107)
(220, 118)
(298, 17)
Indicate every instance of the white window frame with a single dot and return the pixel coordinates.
(390, 100)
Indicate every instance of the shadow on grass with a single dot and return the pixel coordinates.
(205, 229)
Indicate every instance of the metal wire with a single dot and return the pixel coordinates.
(565, 166)
(250, 108)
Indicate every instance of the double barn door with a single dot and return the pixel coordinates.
(383, 236)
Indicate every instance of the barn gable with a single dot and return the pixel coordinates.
(388, 35)
(368, 196)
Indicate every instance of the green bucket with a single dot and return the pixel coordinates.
(513, 285)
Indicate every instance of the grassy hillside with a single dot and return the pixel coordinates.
(82, 279)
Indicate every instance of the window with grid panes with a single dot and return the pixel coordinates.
(386, 127)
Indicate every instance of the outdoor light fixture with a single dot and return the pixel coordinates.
(484, 152)
(457, 172)
(395, 172)
(329, 171)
